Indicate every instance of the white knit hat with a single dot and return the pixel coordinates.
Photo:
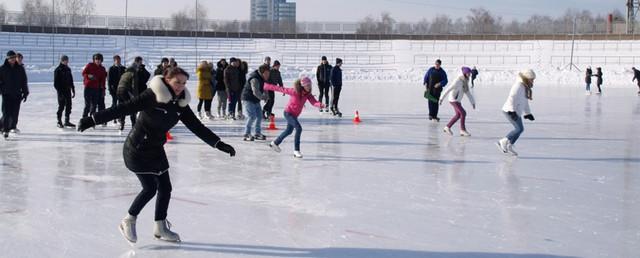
(528, 73)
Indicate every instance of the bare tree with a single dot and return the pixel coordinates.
(423, 27)
(36, 12)
(367, 25)
(405, 28)
(185, 18)
(385, 25)
(481, 21)
(441, 24)
(181, 20)
(76, 11)
(513, 27)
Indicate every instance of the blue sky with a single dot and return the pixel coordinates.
(354, 10)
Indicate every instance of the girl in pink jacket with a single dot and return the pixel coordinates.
(300, 93)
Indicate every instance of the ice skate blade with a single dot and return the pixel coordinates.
(132, 243)
(165, 240)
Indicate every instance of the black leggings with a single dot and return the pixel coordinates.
(336, 96)
(207, 105)
(150, 185)
(324, 92)
(64, 104)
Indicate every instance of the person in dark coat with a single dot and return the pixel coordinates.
(115, 72)
(161, 106)
(434, 80)
(636, 77)
(132, 83)
(244, 71)
(14, 90)
(234, 88)
(598, 76)
(65, 90)
(474, 75)
(221, 88)
(323, 76)
(276, 79)
(336, 84)
(253, 92)
(587, 79)
(164, 63)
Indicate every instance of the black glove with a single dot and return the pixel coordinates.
(24, 97)
(73, 94)
(86, 123)
(513, 115)
(529, 116)
(226, 148)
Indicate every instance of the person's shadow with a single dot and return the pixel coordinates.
(329, 252)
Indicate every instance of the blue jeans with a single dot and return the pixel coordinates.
(254, 116)
(292, 122)
(518, 128)
(588, 86)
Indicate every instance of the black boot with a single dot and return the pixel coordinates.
(68, 124)
(59, 125)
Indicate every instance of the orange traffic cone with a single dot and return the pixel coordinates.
(272, 123)
(169, 137)
(356, 119)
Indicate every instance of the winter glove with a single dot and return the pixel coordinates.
(474, 106)
(438, 85)
(225, 148)
(90, 76)
(529, 116)
(513, 115)
(86, 123)
(73, 94)
(24, 97)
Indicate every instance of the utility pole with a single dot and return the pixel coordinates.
(126, 31)
(633, 8)
(53, 33)
(197, 28)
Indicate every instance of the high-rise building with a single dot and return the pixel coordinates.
(275, 11)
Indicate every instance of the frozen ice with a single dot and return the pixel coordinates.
(392, 186)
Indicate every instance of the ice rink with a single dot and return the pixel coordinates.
(392, 186)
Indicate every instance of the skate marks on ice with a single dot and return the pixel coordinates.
(327, 252)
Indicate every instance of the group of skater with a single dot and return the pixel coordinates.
(155, 104)
(163, 104)
(515, 108)
(598, 75)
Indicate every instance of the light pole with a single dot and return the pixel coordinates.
(53, 33)
(126, 31)
(196, 33)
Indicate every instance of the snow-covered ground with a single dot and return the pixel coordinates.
(390, 61)
(392, 186)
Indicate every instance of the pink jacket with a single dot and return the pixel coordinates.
(296, 102)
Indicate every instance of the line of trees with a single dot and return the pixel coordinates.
(42, 13)
(482, 21)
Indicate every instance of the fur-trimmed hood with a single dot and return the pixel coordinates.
(164, 94)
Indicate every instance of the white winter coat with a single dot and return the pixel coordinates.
(456, 91)
(517, 100)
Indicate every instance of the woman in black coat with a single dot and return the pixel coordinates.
(161, 106)
(598, 76)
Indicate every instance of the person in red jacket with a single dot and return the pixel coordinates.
(94, 78)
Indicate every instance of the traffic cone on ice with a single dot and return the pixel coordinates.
(169, 137)
(356, 119)
(272, 123)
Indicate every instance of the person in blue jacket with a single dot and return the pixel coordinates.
(434, 80)
(336, 83)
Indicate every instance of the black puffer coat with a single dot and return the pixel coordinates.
(160, 109)
(13, 80)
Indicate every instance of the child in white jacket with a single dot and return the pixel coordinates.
(517, 105)
(456, 92)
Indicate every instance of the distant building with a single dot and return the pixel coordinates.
(276, 12)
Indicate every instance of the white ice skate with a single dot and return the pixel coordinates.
(15, 131)
(161, 231)
(502, 144)
(587, 93)
(128, 228)
(297, 154)
(274, 146)
(464, 133)
(511, 150)
(447, 130)
(208, 115)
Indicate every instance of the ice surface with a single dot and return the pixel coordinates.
(392, 186)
